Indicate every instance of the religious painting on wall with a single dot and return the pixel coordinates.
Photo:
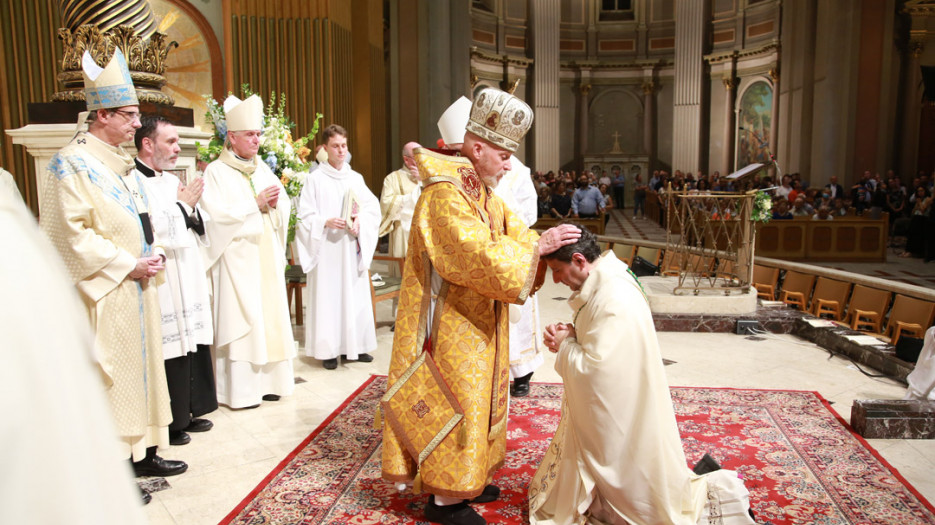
(756, 107)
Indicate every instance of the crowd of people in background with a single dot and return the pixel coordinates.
(908, 206)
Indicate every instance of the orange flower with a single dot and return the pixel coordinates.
(303, 153)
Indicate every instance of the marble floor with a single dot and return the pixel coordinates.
(245, 445)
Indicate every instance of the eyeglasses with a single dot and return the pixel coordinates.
(129, 115)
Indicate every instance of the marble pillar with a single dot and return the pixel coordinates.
(727, 160)
(689, 79)
(583, 125)
(544, 18)
(912, 114)
(649, 120)
(774, 114)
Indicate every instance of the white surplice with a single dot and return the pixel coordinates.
(246, 261)
(183, 298)
(617, 457)
(922, 378)
(397, 203)
(519, 193)
(339, 314)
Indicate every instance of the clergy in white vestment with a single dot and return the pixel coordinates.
(401, 190)
(246, 259)
(922, 378)
(56, 419)
(519, 193)
(96, 213)
(617, 457)
(187, 331)
(335, 245)
(8, 185)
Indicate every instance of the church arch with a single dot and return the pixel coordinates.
(615, 114)
(753, 120)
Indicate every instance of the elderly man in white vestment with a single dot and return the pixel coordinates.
(246, 261)
(401, 190)
(617, 457)
(187, 331)
(96, 214)
(518, 192)
(335, 245)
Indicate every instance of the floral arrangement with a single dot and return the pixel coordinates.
(287, 158)
(762, 207)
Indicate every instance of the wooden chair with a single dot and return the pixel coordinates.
(671, 263)
(624, 252)
(764, 280)
(391, 285)
(727, 270)
(797, 289)
(652, 255)
(909, 316)
(866, 309)
(830, 298)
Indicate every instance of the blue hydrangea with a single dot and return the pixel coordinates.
(271, 161)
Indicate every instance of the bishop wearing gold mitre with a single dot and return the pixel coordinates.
(469, 256)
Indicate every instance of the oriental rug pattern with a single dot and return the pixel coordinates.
(799, 461)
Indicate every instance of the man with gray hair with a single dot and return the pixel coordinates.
(401, 190)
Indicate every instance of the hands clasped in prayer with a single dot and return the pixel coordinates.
(191, 194)
(268, 198)
(147, 267)
(556, 333)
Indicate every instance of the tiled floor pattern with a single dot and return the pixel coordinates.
(245, 445)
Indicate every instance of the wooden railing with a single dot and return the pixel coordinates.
(841, 239)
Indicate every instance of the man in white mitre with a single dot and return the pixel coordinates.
(246, 261)
(401, 190)
(96, 214)
(336, 237)
(187, 330)
(617, 457)
(517, 190)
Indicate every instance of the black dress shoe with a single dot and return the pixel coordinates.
(199, 425)
(330, 364)
(520, 386)
(491, 493)
(363, 358)
(146, 497)
(156, 466)
(705, 465)
(457, 514)
(270, 397)
(179, 438)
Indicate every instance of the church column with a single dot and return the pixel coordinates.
(727, 161)
(649, 120)
(912, 114)
(544, 17)
(583, 128)
(689, 78)
(774, 114)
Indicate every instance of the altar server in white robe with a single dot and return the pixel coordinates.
(58, 430)
(401, 190)
(335, 251)
(246, 260)
(616, 457)
(518, 192)
(187, 332)
(96, 214)
(922, 378)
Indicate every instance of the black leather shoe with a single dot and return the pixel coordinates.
(146, 497)
(330, 364)
(179, 438)
(156, 466)
(457, 514)
(491, 493)
(199, 425)
(270, 397)
(363, 358)
(520, 386)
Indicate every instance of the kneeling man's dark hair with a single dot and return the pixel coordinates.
(586, 245)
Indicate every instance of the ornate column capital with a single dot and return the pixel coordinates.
(649, 87)
(774, 73)
(916, 47)
(729, 83)
(584, 89)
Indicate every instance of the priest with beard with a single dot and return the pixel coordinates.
(246, 262)
(336, 238)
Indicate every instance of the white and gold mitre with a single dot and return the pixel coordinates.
(108, 87)
(500, 118)
(453, 121)
(244, 115)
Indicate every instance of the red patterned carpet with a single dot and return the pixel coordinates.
(799, 461)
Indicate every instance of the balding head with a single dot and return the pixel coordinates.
(490, 161)
(409, 160)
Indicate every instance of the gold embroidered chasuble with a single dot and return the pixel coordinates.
(485, 257)
(91, 208)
